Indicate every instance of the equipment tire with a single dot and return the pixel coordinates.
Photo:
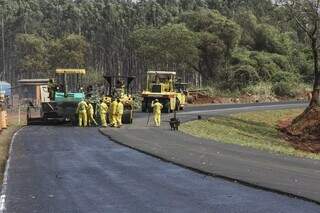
(144, 105)
(127, 117)
(74, 121)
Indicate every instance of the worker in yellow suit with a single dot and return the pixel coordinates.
(119, 113)
(103, 113)
(82, 113)
(113, 113)
(157, 107)
(90, 114)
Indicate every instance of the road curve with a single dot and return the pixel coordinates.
(75, 170)
(290, 175)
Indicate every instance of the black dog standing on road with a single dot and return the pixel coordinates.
(174, 123)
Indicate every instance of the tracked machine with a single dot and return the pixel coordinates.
(163, 85)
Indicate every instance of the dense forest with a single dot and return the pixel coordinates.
(228, 44)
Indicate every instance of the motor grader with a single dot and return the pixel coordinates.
(120, 87)
(162, 85)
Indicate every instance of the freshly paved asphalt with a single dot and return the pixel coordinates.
(64, 169)
(294, 176)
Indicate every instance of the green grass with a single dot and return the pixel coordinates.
(254, 129)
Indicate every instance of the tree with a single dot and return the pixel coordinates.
(31, 52)
(211, 52)
(218, 37)
(219, 28)
(68, 52)
(306, 14)
(172, 46)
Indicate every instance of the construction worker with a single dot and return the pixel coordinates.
(90, 114)
(103, 113)
(82, 113)
(113, 113)
(51, 89)
(157, 107)
(119, 112)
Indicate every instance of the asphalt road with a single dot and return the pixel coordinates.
(64, 169)
(285, 174)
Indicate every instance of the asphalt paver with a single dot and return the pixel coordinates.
(75, 170)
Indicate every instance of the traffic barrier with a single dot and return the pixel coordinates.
(3, 120)
(0, 121)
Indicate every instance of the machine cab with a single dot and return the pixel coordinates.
(69, 85)
(160, 81)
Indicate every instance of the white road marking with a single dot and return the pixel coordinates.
(5, 178)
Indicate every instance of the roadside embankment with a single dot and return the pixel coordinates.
(5, 138)
(258, 130)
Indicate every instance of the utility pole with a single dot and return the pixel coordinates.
(3, 49)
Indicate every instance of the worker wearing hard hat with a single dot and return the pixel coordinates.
(103, 113)
(82, 113)
(51, 89)
(157, 107)
(90, 114)
(119, 112)
(113, 113)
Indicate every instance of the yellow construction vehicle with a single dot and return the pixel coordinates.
(162, 85)
(119, 87)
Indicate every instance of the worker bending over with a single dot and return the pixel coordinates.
(82, 113)
(103, 113)
(119, 112)
(157, 107)
(113, 113)
(90, 114)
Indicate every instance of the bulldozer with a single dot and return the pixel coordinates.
(163, 85)
(120, 87)
(64, 96)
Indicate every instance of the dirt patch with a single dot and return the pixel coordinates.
(201, 98)
(309, 142)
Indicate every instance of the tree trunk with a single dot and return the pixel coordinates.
(306, 127)
(3, 50)
(316, 85)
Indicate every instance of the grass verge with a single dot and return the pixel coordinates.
(5, 141)
(254, 129)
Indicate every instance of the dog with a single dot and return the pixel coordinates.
(174, 124)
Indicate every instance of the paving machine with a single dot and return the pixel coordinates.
(64, 95)
(162, 85)
(120, 87)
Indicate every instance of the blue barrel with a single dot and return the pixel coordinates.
(5, 87)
